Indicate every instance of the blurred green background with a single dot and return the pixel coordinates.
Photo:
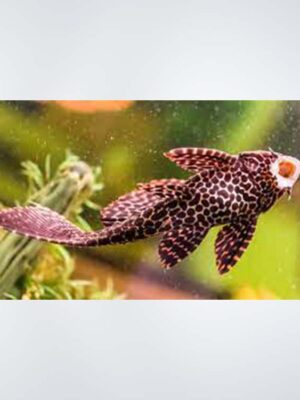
(128, 139)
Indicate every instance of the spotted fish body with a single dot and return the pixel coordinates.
(228, 190)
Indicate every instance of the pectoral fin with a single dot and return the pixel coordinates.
(231, 243)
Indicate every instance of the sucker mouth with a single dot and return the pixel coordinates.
(287, 169)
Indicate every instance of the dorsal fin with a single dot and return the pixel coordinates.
(146, 196)
(195, 159)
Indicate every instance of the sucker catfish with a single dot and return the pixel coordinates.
(230, 190)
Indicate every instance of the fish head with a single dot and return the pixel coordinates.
(258, 162)
(272, 169)
(286, 171)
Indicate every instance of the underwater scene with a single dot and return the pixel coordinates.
(106, 200)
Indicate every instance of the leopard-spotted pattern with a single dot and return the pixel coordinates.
(225, 190)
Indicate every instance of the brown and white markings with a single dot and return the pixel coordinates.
(225, 189)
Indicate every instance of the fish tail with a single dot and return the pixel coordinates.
(135, 216)
(41, 223)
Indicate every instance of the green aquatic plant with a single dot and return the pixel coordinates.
(33, 270)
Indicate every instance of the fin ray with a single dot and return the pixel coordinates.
(148, 195)
(163, 187)
(195, 159)
(41, 223)
(177, 244)
(231, 243)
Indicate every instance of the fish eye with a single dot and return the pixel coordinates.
(286, 169)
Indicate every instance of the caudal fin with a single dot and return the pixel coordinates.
(125, 220)
(41, 223)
